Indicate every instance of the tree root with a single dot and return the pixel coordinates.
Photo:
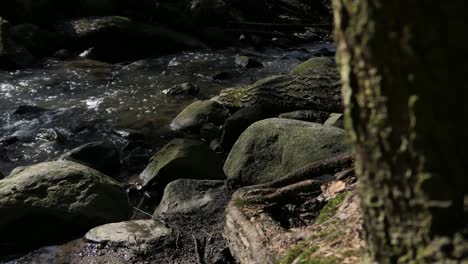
(308, 179)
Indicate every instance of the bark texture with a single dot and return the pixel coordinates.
(403, 117)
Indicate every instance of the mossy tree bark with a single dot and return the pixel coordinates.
(403, 118)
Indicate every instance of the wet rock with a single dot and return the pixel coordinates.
(29, 110)
(181, 158)
(313, 63)
(183, 89)
(51, 201)
(1, 175)
(186, 196)
(307, 115)
(101, 156)
(130, 233)
(240, 121)
(53, 134)
(271, 148)
(136, 40)
(8, 140)
(194, 116)
(317, 88)
(335, 119)
(247, 62)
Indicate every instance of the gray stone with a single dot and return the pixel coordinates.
(247, 62)
(272, 148)
(181, 158)
(129, 233)
(183, 89)
(50, 201)
(187, 196)
(194, 116)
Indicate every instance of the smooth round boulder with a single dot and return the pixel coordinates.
(186, 196)
(129, 233)
(52, 201)
(271, 148)
(101, 156)
(181, 159)
(194, 116)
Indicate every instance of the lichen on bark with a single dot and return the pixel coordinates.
(409, 147)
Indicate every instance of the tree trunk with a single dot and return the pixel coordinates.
(404, 119)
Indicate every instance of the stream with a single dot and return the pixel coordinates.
(81, 101)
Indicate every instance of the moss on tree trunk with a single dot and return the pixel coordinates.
(403, 117)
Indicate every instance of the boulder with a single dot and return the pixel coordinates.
(129, 234)
(183, 89)
(101, 156)
(52, 201)
(194, 116)
(186, 196)
(33, 110)
(272, 148)
(247, 62)
(181, 159)
(240, 121)
(135, 40)
(318, 88)
(313, 63)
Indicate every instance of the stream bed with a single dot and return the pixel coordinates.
(80, 101)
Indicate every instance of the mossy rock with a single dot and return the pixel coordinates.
(194, 116)
(271, 148)
(317, 89)
(51, 201)
(313, 63)
(181, 159)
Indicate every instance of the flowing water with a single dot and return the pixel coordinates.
(87, 100)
